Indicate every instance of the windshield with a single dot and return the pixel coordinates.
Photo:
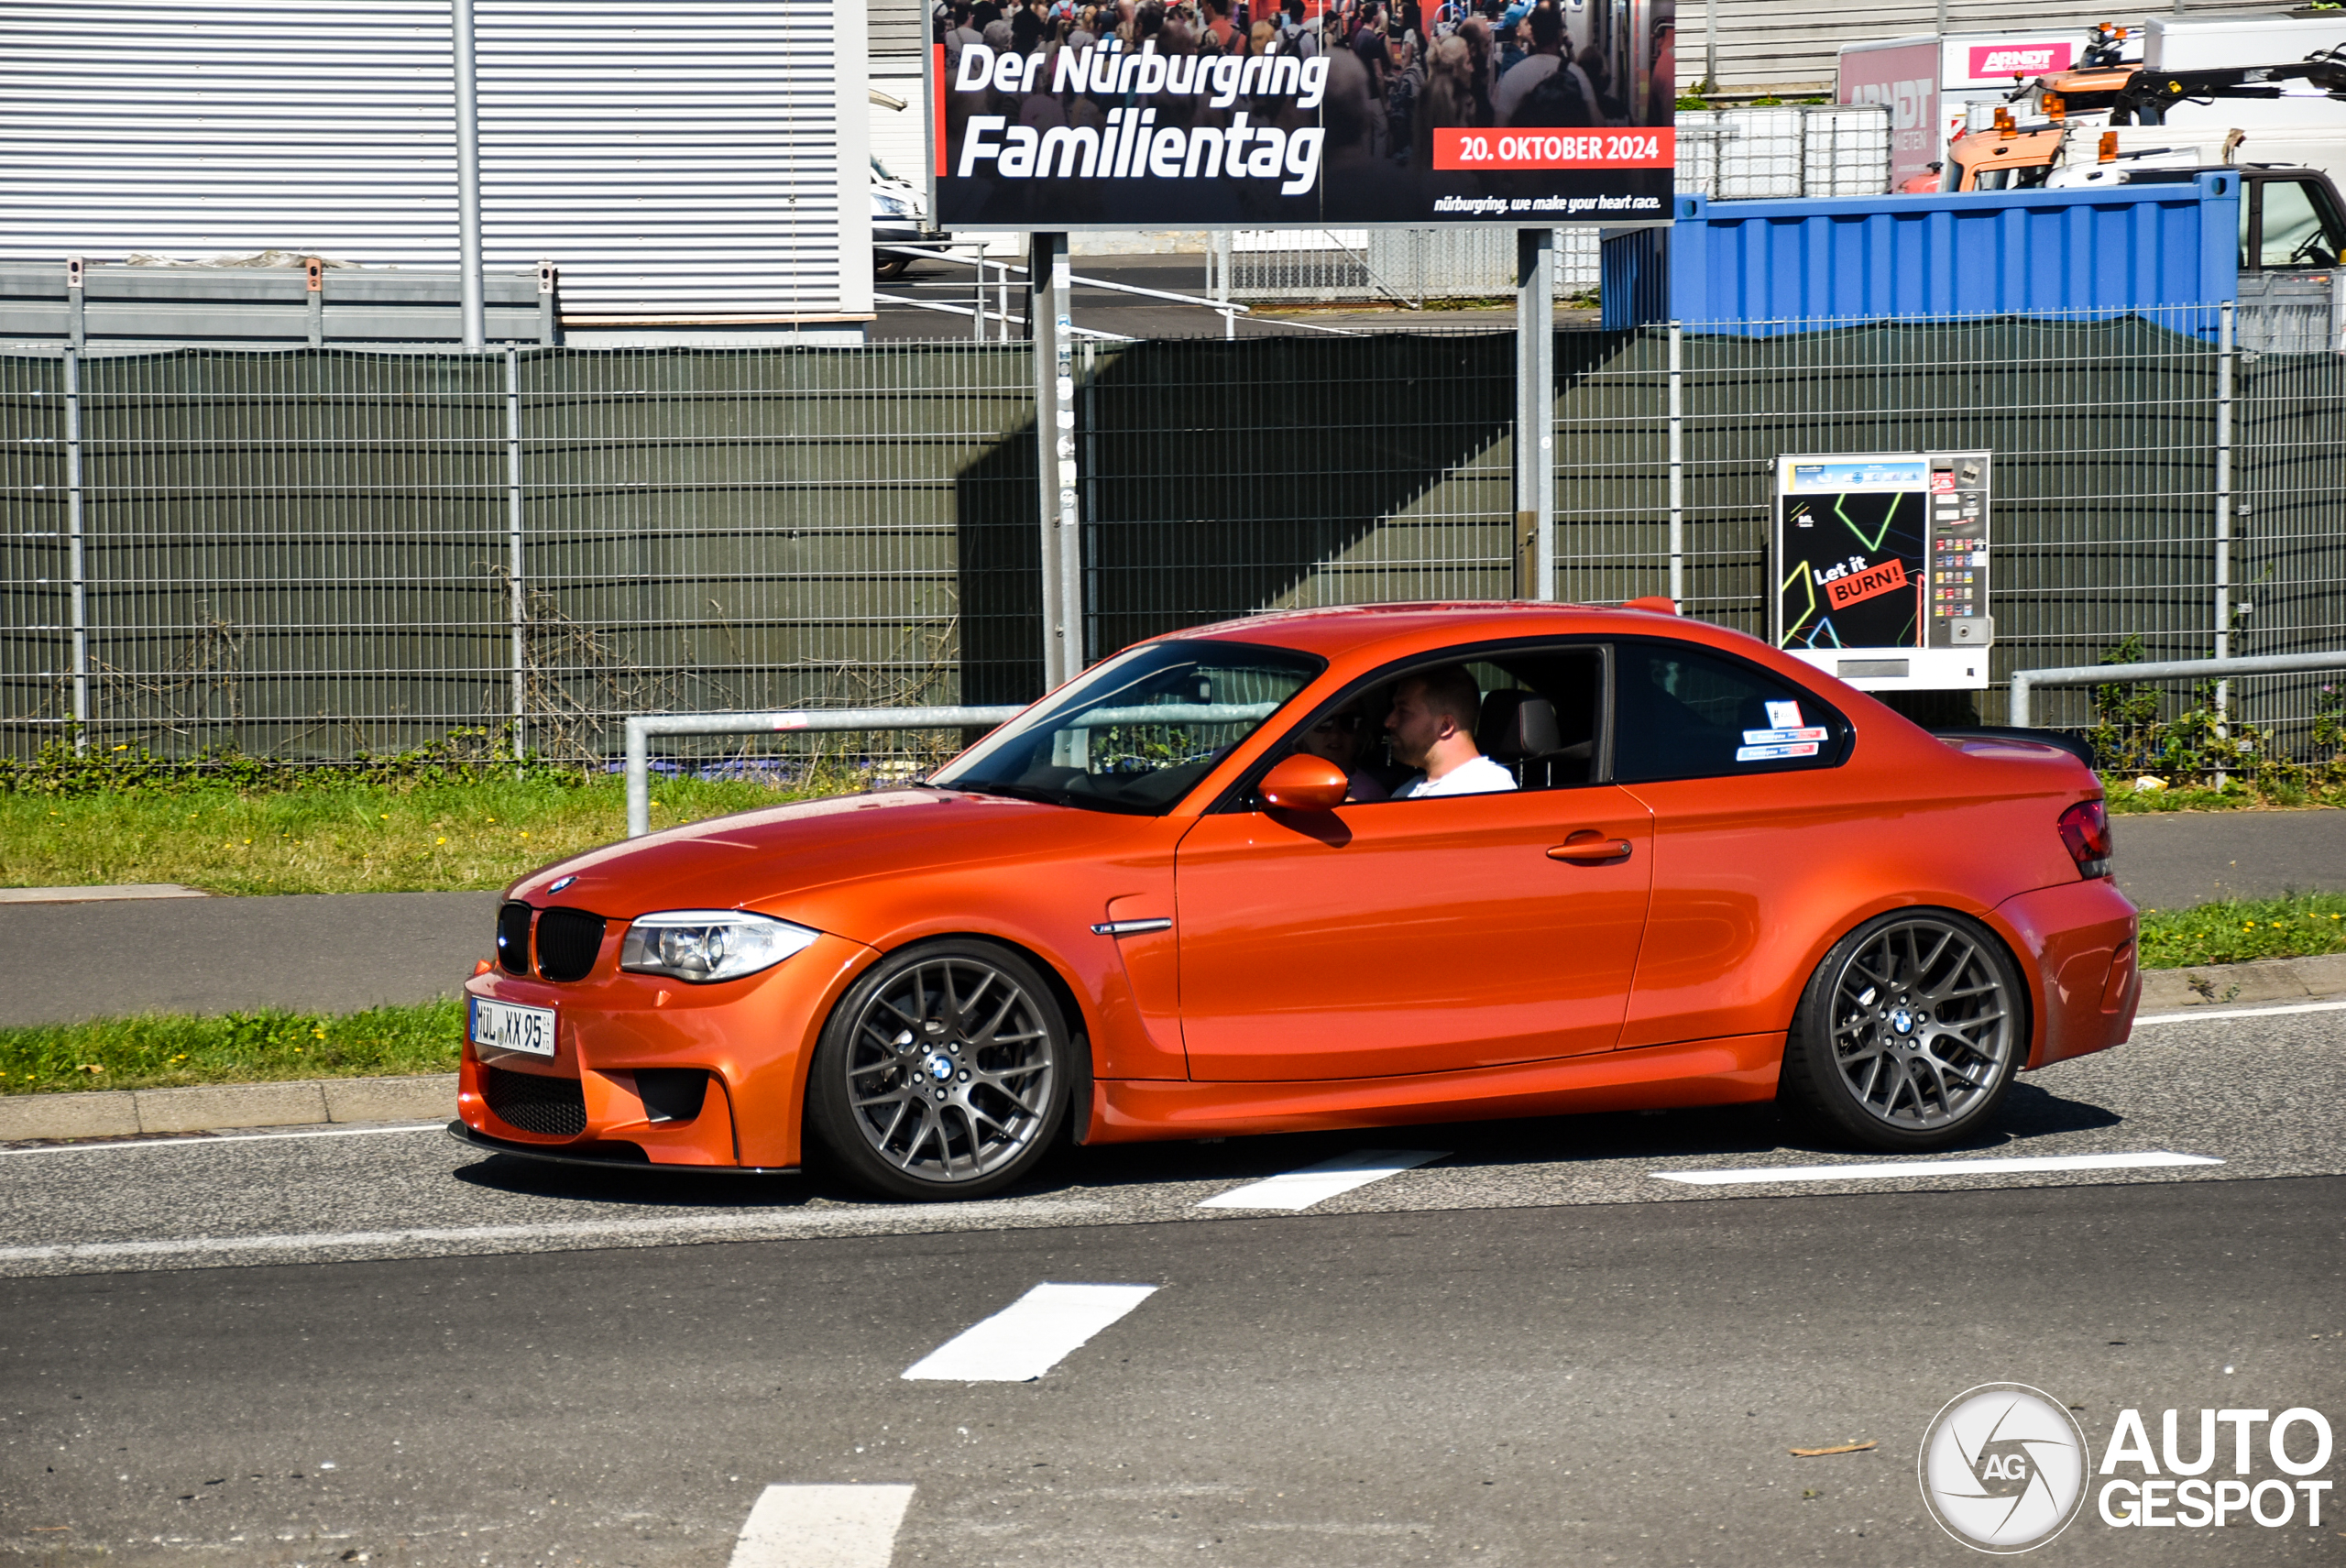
(1135, 734)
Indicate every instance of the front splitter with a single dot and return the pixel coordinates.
(480, 1140)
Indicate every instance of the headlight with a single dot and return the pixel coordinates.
(702, 944)
(890, 206)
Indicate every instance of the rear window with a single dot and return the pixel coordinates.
(1684, 712)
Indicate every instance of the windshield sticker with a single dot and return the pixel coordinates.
(1776, 753)
(1777, 737)
(1783, 715)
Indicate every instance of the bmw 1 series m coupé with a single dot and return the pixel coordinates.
(1327, 868)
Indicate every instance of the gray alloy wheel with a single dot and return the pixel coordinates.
(942, 1073)
(1909, 1033)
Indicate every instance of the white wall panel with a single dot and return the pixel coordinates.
(677, 160)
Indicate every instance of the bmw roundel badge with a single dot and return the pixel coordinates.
(561, 882)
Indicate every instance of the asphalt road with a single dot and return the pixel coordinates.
(326, 953)
(1536, 1350)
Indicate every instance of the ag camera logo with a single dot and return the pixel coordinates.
(2003, 1467)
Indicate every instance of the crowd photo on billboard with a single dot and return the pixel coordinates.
(1082, 114)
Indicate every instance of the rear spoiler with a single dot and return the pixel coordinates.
(2077, 745)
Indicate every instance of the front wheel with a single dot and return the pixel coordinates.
(1908, 1033)
(942, 1074)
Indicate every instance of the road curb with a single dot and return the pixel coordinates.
(2264, 980)
(223, 1107)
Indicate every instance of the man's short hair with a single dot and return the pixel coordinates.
(1447, 688)
(1547, 27)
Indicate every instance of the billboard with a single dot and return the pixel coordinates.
(1904, 79)
(1342, 122)
(1881, 568)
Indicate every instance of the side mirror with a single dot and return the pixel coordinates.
(1304, 783)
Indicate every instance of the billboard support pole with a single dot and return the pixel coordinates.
(1061, 554)
(467, 84)
(1535, 414)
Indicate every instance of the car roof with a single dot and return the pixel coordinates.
(1343, 629)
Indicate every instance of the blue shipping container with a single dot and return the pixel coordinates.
(2096, 252)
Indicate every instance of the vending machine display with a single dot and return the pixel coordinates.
(1880, 564)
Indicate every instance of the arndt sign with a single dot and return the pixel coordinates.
(1904, 80)
(1105, 135)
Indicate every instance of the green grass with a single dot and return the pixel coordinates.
(2125, 800)
(347, 839)
(166, 1050)
(2236, 931)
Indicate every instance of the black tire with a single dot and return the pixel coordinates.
(1908, 1035)
(942, 1074)
(890, 269)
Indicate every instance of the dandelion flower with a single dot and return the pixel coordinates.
(525, 832)
(439, 840)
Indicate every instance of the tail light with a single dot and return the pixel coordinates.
(2085, 833)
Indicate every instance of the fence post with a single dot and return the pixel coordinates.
(519, 608)
(1677, 466)
(2223, 513)
(1535, 414)
(1061, 554)
(78, 556)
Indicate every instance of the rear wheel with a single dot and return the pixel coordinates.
(941, 1074)
(1908, 1033)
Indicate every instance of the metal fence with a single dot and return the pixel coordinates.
(1797, 151)
(313, 554)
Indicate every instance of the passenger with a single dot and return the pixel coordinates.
(1432, 727)
(1340, 739)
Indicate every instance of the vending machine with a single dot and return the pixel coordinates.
(1881, 566)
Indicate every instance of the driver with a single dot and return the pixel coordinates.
(1432, 727)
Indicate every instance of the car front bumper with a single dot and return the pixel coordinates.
(594, 1099)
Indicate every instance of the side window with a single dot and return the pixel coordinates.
(1684, 712)
(2248, 200)
(2294, 232)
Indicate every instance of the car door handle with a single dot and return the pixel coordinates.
(1590, 850)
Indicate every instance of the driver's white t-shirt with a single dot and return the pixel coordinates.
(1481, 776)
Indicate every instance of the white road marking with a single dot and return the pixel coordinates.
(202, 1142)
(1878, 1170)
(2244, 1012)
(1030, 1336)
(823, 1527)
(777, 1226)
(1298, 1190)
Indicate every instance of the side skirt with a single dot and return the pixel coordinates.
(1727, 1071)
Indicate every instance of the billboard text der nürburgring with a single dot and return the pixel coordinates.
(1566, 120)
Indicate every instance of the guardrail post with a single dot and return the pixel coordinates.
(638, 777)
(1535, 414)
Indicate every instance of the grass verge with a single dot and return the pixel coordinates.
(2125, 800)
(345, 839)
(2235, 931)
(170, 1051)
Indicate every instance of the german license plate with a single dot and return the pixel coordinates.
(504, 1026)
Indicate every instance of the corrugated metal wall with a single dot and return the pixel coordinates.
(678, 160)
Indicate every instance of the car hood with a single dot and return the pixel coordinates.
(789, 860)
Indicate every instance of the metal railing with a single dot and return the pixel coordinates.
(2025, 682)
(796, 720)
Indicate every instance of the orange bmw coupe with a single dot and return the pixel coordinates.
(1327, 868)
